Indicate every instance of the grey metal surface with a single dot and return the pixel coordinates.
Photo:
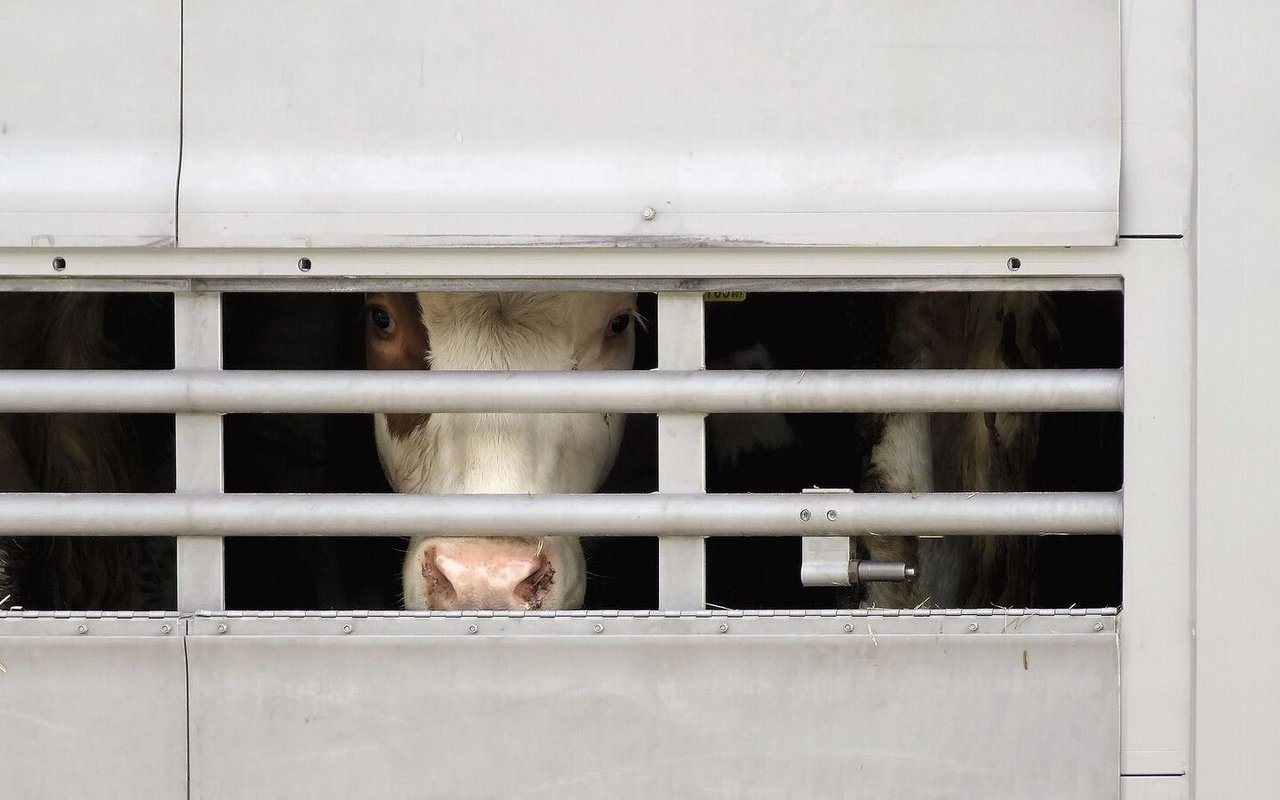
(552, 514)
(708, 705)
(98, 713)
(683, 390)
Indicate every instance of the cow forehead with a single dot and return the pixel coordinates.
(539, 311)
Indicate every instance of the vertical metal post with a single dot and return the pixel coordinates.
(1156, 641)
(197, 344)
(681, 452)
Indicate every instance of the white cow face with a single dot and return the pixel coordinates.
(497, 453)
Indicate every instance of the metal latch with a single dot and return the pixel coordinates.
(829, 561)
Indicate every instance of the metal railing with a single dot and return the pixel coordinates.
(560, 514)
(659, 391)
(681, 391)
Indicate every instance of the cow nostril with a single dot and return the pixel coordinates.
(439, 589)
(534, 588)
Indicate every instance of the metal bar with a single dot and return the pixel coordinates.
(308, 283)
(197, 320)
(682, 448)
(688, 514)
(667, 391)
(562, 260)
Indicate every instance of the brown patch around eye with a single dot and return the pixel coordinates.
(403, 346)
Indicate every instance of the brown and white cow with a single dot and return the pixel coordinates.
(497, 453)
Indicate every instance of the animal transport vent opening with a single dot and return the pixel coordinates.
(760, 454)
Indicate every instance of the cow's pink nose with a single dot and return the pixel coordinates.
(476, 574)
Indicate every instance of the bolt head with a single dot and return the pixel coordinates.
(848, 627)
(222, 627)
(597, 628)
(648, 213)
(347, 629)
(165, 628)
(724, 627)
(831, 515)
(805, 516)
(82, 629)
(1097, 626)
(473, 629)
(973, 626)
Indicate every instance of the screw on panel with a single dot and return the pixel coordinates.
(166, 628)
(1097, 626)
(848, 627)
(597, 628)
(1014, 264)
(724, 627)
(304, 264)
(805, 515)
(973, 626)
(831, 515)
(648, 213)
(222, 627)
(473, 629)
(82, 629)
(347, 629)
(59, 264)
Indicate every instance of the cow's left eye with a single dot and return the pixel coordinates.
(618, 325)
(382, 320)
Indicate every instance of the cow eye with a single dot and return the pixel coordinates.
(381, 320)
(619, 324)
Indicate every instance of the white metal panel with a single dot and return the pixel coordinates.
(1155, 634)
(883, 122)
(89, 115)
(1238, 394)
(99, 713)
(1155, 787)
(611, 706)
(1156, 174)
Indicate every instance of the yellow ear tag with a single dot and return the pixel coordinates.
(723, 297)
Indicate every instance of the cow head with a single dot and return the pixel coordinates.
(497, 453)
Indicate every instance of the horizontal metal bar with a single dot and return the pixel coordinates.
(666, 391)
(558, 514)
(562, 260)
(308, 283)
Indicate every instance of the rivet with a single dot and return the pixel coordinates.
(973, 626)
(347, 629)
(304, 264)
(724, 627)
(82, 629)
(805, 515)
(59, 263)
(165, 628)
(848, 627)
(597, 628)
(1014, 264)
(831, 515)
(473, 629)
(648, 212)
(1097, 626)
(222, 627)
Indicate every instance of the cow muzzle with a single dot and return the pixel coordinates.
(473, 574)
